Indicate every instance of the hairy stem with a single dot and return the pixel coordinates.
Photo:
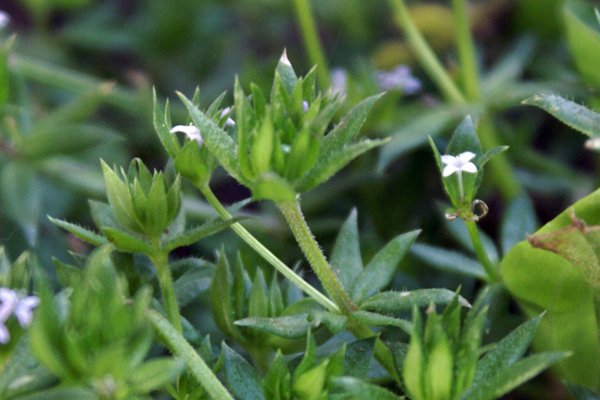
(195, 364)
(314, 255)
(267, 255)
(167, 289)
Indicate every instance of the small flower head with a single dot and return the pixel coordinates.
(229, 122)
(460, 163)
(399, 78)
(4, 20)
(14, 303)
(190, 131)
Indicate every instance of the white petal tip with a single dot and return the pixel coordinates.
(284, 58)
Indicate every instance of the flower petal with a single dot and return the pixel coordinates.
(4, 334)
(469, 167)
(191, 132)
(450, 160)
(466, 156)
(449, 170)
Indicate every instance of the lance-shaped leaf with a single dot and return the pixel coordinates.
(519, 220)
(128, 243)
(374, 319)
(155, 373)
(345, 258)
(583, 37)
(448, 260)
(363, 390)
(216, 139)
(379, 272)
(168, 140)
(404, 301)
(82, 233)
(289, 327)
(243, 380)
(574, 115)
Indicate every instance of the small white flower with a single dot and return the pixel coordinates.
(459, 163)
(24, 310)
(229, 121)
(4, 20)
(190, 130)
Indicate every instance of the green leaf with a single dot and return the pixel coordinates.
(448, 260)
(414, 361)
(332, 160)
(348, 128)
(379, 272)
(61, 394)
(66, 274)
(345, 258)
(582, 393)
(155, 373)
(286, 73)
(273, 187)
(65, 139)
(358, 357)
(509, 378)
(583, 37)
(221, 299)
(403, 301)
(257, 302)
(243, 380)
(289, 327)
(191, 284)
(439, 371)
(519, 220)
(193, 235)
(506, 352)
(374, 319)
(336, 323)
(363, 390)
(574, 115)
(127, 243)
(119, 198)
(220, 144)
(168, 140)
(82, 233)
(277, 384)
(310, 385)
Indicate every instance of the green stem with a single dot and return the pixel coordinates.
(196, 365)
(167, 288)
(425, 54)
(312, 42)
(312, 251)
(489, 267)
(267, 255)
(466, 50)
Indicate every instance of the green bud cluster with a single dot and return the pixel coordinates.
(284, 144)
(442, 357)
(142, 202)
(98, 339)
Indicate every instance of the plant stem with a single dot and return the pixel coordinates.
(312, 42)
(425, 54)
(267, 255)
(466, 50)
(167, 289)
(196, 365)
(312, 251)
(489, 267)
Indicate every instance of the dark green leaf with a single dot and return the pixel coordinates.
(156, 373)
(243, 380)
(374, 319)
(403, 301)
(363, 390)
(358, 357)
(345, 258)
(379, 272)
(127, 243)
(448, 260)
(289, 327)
(583, 37)
(518, 222)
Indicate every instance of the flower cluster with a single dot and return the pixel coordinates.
(15, 303)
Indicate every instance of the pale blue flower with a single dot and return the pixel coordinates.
(229, 121)
(398, 78)
(339, 81)
(14, 303)
(4, 20)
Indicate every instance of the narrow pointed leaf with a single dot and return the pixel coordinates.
(345, 258)
(168, 140)
(403, 301)
(243, 380)
(374, 319)
(363, 390)
(193, 235)
(82, 233)
(379, 272)
(127, 243)
(519, 221)
(448, 260)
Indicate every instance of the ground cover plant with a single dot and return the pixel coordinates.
(194, 205)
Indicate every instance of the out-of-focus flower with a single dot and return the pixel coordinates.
(339, 81)
(21, 306)
(398, 78)
(4, 19)
(190, 130)
(304, 106)
(229, 121)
